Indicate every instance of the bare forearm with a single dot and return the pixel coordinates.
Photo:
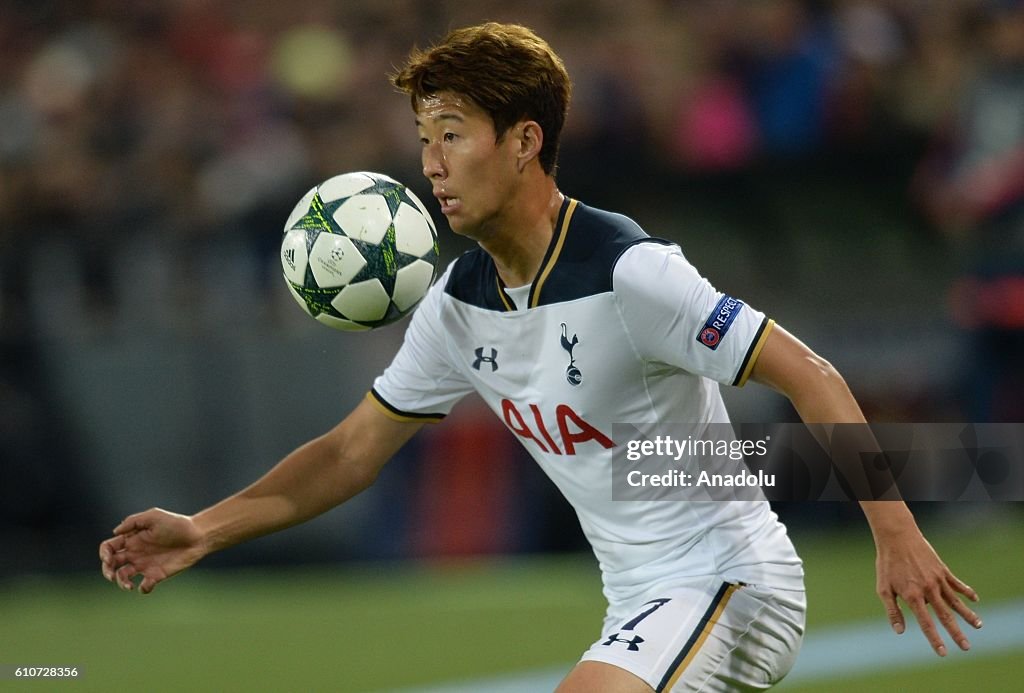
(311, 480)
(820, 395)
(834, 403)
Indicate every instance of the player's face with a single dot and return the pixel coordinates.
(471, 173)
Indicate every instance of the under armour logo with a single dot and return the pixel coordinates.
(631, 645)
(492, 359)
(572, 373)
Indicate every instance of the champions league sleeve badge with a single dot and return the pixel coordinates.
(718, 323)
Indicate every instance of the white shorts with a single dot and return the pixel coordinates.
(707, 635)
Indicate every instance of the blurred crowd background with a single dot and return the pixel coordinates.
(854, 168)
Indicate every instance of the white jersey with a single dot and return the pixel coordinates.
(617, 327)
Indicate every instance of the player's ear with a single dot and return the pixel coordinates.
(530, 138)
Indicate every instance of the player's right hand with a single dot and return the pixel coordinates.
(155, 544)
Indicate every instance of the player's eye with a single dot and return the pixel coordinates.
(449, 137)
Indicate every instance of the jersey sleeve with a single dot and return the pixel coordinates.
(421, 384)
(675, 316)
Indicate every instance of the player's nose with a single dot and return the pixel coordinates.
(433, 162)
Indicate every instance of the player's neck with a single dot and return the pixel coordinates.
(520, 246)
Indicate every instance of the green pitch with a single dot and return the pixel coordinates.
(381, 627)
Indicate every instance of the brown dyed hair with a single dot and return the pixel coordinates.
(505, 69)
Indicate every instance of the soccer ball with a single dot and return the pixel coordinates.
(359, 251)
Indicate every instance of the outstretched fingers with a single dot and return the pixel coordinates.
(919, 606)
(961, 587)
(893, 612)
(909, 570)
(945, 604)
(951, 591)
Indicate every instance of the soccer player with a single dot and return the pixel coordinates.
(567, 319)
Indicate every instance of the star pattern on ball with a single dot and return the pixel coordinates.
(317, 300)
(383, 260)
(317, 219)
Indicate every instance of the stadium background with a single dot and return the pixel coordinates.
(853, 168)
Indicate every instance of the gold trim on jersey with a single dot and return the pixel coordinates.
(502, 295)
(755, 351)
(561, 232)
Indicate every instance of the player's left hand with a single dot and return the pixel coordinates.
(909, 568)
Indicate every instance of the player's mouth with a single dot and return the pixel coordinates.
(448, 204)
